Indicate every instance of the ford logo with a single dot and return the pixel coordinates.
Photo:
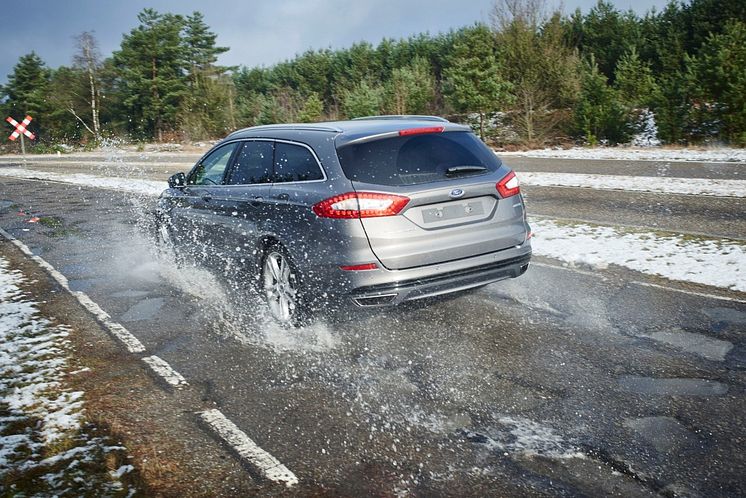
(456, 193)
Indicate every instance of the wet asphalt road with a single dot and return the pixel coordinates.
(562, 382)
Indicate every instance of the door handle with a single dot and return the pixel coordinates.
(282, 197)
(256, 200)
(207, 197)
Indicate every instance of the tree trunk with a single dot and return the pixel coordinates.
(481, 125)
(94, 100)
(156, 102)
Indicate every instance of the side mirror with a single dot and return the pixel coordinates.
(177, 181)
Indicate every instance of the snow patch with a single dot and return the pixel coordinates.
(664, 185)
(38, 410)
(719, 155)
(715, 262)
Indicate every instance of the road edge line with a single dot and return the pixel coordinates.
(130, 342)
(247, 450)
(163, 369)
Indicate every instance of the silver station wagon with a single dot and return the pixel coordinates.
(370, 212)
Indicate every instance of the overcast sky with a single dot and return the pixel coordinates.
(258, 32)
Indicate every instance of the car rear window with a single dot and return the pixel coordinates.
(416, 159)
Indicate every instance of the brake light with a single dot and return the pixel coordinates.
(366, 266)
(509, 185)
(421, 131)
(360, 205)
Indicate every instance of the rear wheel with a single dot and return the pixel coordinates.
(281, 288)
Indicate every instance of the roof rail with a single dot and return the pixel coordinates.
(403, 116)
(293, 126)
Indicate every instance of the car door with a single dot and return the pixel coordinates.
(244, 201)
(197, 211)
(296, 166)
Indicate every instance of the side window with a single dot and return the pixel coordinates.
(294, 163)
(210, 170)
(253, 164)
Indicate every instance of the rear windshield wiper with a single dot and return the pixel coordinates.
(458, 170)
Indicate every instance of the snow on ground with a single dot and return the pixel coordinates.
(665, 185)
(716, 262)
(131, 185)
(719, 155)
(42, 448)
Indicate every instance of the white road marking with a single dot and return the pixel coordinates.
(599, 274)
(264, 463)
(162, 368)
(569, 268)
(131, 342)
(691, 293)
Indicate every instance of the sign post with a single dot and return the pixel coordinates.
(21, 129)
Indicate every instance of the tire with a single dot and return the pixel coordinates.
(281, 288)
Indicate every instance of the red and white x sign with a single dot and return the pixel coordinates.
(20, 128)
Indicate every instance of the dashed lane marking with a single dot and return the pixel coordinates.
(252, 455)
(163, 369)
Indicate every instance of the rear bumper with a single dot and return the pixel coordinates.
(437, 284)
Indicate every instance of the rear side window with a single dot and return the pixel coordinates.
(412, 160)
(294, 163)
(253, 164)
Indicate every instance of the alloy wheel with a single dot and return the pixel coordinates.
(280, 288)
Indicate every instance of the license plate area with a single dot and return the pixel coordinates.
(452, 212)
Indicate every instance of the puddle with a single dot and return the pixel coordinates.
(130, 293)
(702, 345)
(75, 271)
(143, 310)
(82, 285)
(673, 387)
(727, 315)
(665, 434)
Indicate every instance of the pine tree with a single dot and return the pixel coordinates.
(720, 73)
(209, 94)
(362, 100)
(474, 81)
(634, 81)
(151, 65)
(543, 70)
(599, 116)
(411, 89)
(313, 109)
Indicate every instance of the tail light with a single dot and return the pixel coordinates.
(363, 267)
(360, 205)
(509, 185)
